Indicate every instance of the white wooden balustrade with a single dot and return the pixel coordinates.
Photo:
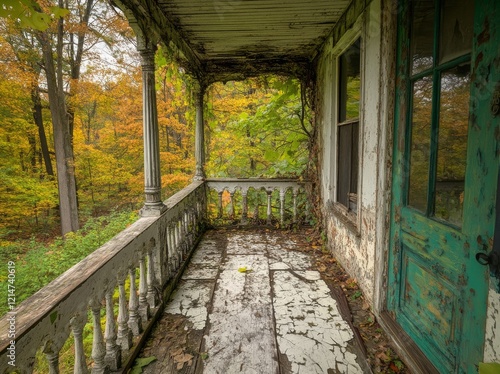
(152, 252)
(260, 186)
(153, 247)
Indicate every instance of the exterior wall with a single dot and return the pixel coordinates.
(492, 337)
(353, 241)
(360, 245)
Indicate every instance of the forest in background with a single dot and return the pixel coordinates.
(258, 127)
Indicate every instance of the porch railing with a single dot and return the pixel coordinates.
(269, 201)
(123, 284)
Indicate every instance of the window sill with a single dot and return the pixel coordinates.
(347, 217)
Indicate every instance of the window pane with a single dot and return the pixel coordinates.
(422, 40)
(344, 164)
(420, 143)
(354, 157)
(452, 143)
(349, 83)
(456, 29)
(347, 181)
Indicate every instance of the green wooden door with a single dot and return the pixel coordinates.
(444, 176)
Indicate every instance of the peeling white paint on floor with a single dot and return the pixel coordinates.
(310, 330)
(263, 309)
(191, 300)
(280, 259)
(241, 335)
(194, 292)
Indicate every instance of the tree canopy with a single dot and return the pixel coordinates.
(257, 127)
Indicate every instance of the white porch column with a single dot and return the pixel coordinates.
(199, 150)
(153, 205)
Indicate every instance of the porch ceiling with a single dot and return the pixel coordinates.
(226, 39)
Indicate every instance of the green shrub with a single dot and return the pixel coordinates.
(37, 264)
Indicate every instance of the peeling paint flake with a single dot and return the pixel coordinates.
(191, 300)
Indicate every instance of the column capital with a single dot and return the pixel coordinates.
(199, 89)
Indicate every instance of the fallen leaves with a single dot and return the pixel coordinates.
(180, 357)
(140, 363)
(244, 269)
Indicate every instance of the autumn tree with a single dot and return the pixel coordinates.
(59, 50)
(258, 127)
(27, 197)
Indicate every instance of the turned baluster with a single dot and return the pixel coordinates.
(244, 206)
(184, 236)
(256, 208)
(231, 195)
(171, 251)
(295, 194)
(308, 210)
(269, 213)
(219, 214)
(282, 206)
(134, 319)
(188, 230)
(52, 356)
(124, 338)
(143, 290)
(177, 240)
(53, 361)
(151, 294)
(98, 347)
(77, 323)
(113, 358)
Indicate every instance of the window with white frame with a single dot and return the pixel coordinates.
(349, 93)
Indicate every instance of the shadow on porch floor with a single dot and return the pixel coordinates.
(253, 301)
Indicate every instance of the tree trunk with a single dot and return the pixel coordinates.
(76, 59)
(32, 154)
(38, 118)
(62, 141)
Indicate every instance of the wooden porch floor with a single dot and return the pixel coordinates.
(251, 302)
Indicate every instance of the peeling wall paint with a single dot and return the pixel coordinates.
(492, 337)
(353, 240)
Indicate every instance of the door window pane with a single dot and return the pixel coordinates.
(422, 41)
(456, 30)
(349, 83)
(452, 143)
(420, 148)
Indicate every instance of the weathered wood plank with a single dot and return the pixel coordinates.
(241, 333)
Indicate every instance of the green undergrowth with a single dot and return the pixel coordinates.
(37, 264)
